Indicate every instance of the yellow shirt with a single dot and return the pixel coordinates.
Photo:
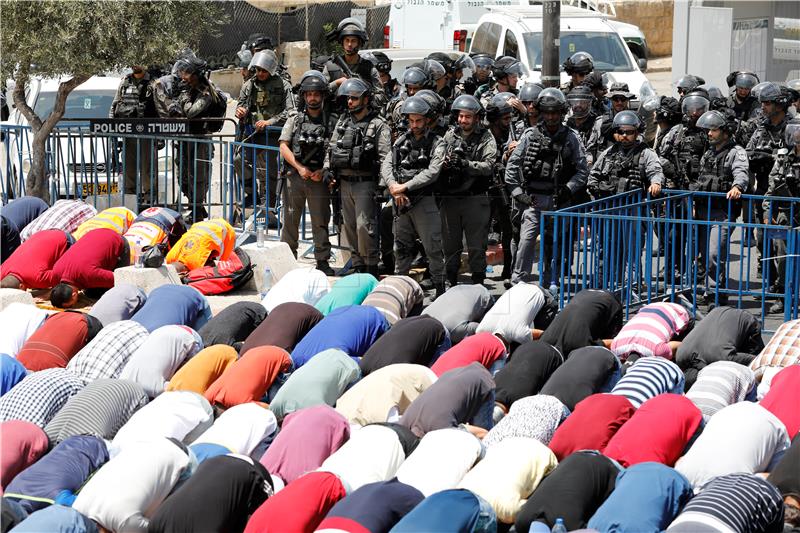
(211, 238)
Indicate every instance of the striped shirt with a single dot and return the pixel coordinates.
(720, 384)
(395, 297)
(736, 503)
(106, 355)
(649, 332)
(65, 215)
(648, 377)
(782, 350)
(100, 410)
(39, 396)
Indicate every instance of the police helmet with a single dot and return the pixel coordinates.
(552, 99)
(669, 110)
(506, 66)
(717, 119)
(355, 87)
(580, 100)
(189, 65)
(435, 70)
(260, 42)
(415, 105)
(435, 101)
(627, 118)
(313, 80)
(579, 63)
(445, 60)
(483, 61)
(792, 132)
(380, 60)
(529, 92)
(244, 57)
(467, 102)
(464, 62)
(594, 80)
(688, 82)
(497, 107)
(415, 76)
(772, 92)
(694, 103)
(265, 60)
(794, 84)
(318, 63)
(712, 90)
(744, 80)
(351, 27)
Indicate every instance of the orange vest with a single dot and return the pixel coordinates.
(118, 219)
(211, 238)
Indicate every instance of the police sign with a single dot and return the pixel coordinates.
(133, 126)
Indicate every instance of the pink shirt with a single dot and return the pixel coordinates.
(484, 348)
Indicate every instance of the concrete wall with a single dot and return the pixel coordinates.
(654, 18)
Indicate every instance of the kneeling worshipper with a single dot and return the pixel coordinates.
(180, 415)
(106, 355)
(724, 334)
(58, 340)
(647, 378)
(654, 331)
(460, 396)
(591, 425)
(782, 350)
(56, 519)
(572, 491)
(720, 384)
(509, 473)
(307, 437)
(460, 309)
(39, 396)
(203, 369)
(155, 226)
(244, 429)
(753, 440)
(416, 340)
(301, 285)
(350, 329)
(65, 215)
(21, 444)
(783, 398)
(57, 476)
(488, 349)
(249, 378)
(395, 297)
(784, 477)
(525, 373)
(177, 305)
(205, 242)
(88, 265)
(126, 491)
(11, 373)
(590, 317)
(450, 510)
(441, 460)
(116, 219)
(734, 502)
(99, 410)
(384, 395)
(31, 265)
(285, 325)
(118, 303)
(320, 381)
(588, 370)
(220, 496)
(159, 357)
(300, 506)
(658, 431)
(520, 314)
(18, 322)
(349, 290)
(535, 417)
(375, 507)
(646, 499)
(233, 324)
(15, 216)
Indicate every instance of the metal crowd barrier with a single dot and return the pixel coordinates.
(613, 244)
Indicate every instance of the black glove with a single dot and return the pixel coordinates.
(563, 195)
(524, 199)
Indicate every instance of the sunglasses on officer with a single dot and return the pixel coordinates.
(626, 132)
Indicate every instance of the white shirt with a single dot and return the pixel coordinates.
(241, 428)
(513, 314)
(743, 437)
(303, 285)
(125, 492)
(440, 461)
(18, 321)
(179, 414)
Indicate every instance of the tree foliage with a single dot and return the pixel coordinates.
(76, 39)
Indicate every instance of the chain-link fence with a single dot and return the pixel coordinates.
(309, 23)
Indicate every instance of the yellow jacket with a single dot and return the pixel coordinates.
(213, 239)
(118, 219)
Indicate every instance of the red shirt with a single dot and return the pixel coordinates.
(90, 262)
(32, 263)
(783, 398)
(56, 341)
(484, 348)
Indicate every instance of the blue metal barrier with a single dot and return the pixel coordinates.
(649, 249)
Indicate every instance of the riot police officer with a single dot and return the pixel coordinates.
(594, 81)
(578, 66)
(410, 174)
(687, 84)
(134, 99)
(467, 169)
(501, 228)
(383, 64)
(480, 74)
(741, 101)
(667, 116)
(351, 35)
(620, 98)
(528, 94)
(304, 141)
(547, 167)
(784, 180)
(438, 121)
(723, 169)
(414, 79)
(464, 62)
(582, 119)
(265, 100)
(505, 73)
(358, 145)
(437, 73)
(685, 143)
(447, 63)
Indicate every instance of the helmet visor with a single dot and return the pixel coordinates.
(792, 134)
(514, 69)
(745, 80)
(694, 104)
(710, 120)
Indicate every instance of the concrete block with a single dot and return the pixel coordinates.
(104, 201)
(10, 296)
(147, 279)
(276, 254)
(296, 55)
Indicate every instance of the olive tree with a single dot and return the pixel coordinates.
(72, 40)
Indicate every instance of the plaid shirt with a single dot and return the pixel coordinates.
(782, 350)
(39, 396)
(106, 355)
(65, 215)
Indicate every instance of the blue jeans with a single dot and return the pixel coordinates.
(203, 316)
(487, 519)
(483, 418)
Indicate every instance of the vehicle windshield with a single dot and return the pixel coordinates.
(81, 105)
(606, 48)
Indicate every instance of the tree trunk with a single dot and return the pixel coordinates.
(36, 182)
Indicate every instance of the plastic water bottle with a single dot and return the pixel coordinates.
(267, 282)
(559, 526)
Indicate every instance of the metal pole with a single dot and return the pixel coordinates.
(306, 20)
(551, 32)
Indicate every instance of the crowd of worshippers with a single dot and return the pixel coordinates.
(352, 408)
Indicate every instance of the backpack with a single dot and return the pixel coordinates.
(217, 109)
(224, 277)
